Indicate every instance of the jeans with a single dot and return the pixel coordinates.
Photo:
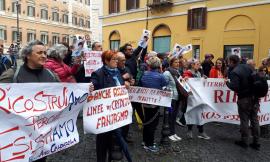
(172, 115)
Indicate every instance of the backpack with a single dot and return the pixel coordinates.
(259, 85)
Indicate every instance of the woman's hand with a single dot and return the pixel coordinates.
(91, 87)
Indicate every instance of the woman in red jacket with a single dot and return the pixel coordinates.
(219, 70)
(55, 63)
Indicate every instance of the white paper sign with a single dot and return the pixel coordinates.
(107, 109)
(211, 100)
(150, 96)
(93, 62)
(38, 119)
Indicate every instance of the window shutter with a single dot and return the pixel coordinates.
(204, 17)
(110, 6)
(189, 17)
(20, 36)
(4, 5)
(35, 36)
(34, 13)
(118, 5)
(5, 33)
(137, 4)
(128, 5)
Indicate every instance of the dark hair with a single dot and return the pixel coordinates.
(81, 43)
(124, 47)
(234, 59)
(28, 49)
(223, 67)
(107, 55)
(94, 45)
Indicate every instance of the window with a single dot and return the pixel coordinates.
(132, 4)
(31, 11)
(3, 34)
(55, 39)
(74, 20)
(162, 44)
(31, 36)
(2, 5)
(65, 19)
(196, 51)
(55, 16)
(245, 51)
(197, 18)
(81, 22)
(87, 2)
(44, 14)
(14, 36)
(14, 8)
(65, 39)
(44, 38)
(114, 6)
(88, 24)
(114, 44)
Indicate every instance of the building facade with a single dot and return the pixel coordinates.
(220, 27)
(50, 21)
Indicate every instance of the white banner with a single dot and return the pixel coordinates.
(93, 62)
(212, 100)
(38, 119)
(150, 96)
(107, 109)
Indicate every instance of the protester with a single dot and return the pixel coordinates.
(171, 76)
(248, 104)
(129, 81)
(105, 77)
(55, 63)
(219, 70)
(80, 75)
(152, 79)
(5, 63)
(193, 72)
(251, 63)
(33, 71)
(68, 58)
(207, 64)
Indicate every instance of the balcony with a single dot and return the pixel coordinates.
(159, 3)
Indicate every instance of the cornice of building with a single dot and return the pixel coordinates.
(180, 13)
(44, 22)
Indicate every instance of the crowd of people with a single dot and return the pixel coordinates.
(134, 66)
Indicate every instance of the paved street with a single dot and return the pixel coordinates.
(220, 148)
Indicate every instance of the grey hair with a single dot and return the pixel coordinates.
(28, 49)
(154, 62)
(57, 51)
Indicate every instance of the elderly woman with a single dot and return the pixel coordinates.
(194, 72)
(105, 77)
(152, 79)
(55, 63)
(171, 75)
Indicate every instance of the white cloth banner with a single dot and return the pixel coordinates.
(93, 62)
(38, 119)
(150, 96)
(212, 100)
(107, 109)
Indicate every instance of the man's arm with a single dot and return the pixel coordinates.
(234, 82)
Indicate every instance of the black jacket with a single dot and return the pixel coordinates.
(102, 79)
(240, 80)
(131, 61)
(27, 75)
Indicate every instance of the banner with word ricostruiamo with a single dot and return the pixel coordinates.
(38, 119)
(212, 100)
(150, 96)
(107, 109)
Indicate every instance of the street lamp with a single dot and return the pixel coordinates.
(18, 30)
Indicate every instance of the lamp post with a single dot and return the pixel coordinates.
(18, 29)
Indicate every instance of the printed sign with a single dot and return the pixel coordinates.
(93, 62)
(107, 109)
(211, 100)
(38, 119)
(150, 96)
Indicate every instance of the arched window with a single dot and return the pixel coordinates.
(162, 39)
(114, 40)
